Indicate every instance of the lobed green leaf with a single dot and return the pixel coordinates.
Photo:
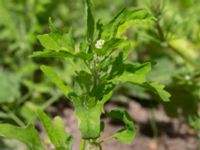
(159, 90)
(56, 40)
(126, 134)
(110, 29)
(135, 74)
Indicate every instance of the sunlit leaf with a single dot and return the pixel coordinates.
(159, 90)
(54, 77)
(110, 29)
(135, 74)
(57, 41)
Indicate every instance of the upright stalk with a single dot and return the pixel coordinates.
(170, 47)
(153, 124)
(83, 144)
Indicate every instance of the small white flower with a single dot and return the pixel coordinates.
(187, 77)
(99, 44)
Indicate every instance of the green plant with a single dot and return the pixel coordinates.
(101, 63)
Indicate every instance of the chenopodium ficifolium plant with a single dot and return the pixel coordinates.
(104, 65)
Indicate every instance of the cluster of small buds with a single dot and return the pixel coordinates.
(99, 44)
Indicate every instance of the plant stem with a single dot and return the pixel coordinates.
(12, 116)
(16, 119)
(106, 139)
(83, 144)
(187, 59)
(51, 100)
(169, 46)
(160, 31)
(24, 98)
(153, 124)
